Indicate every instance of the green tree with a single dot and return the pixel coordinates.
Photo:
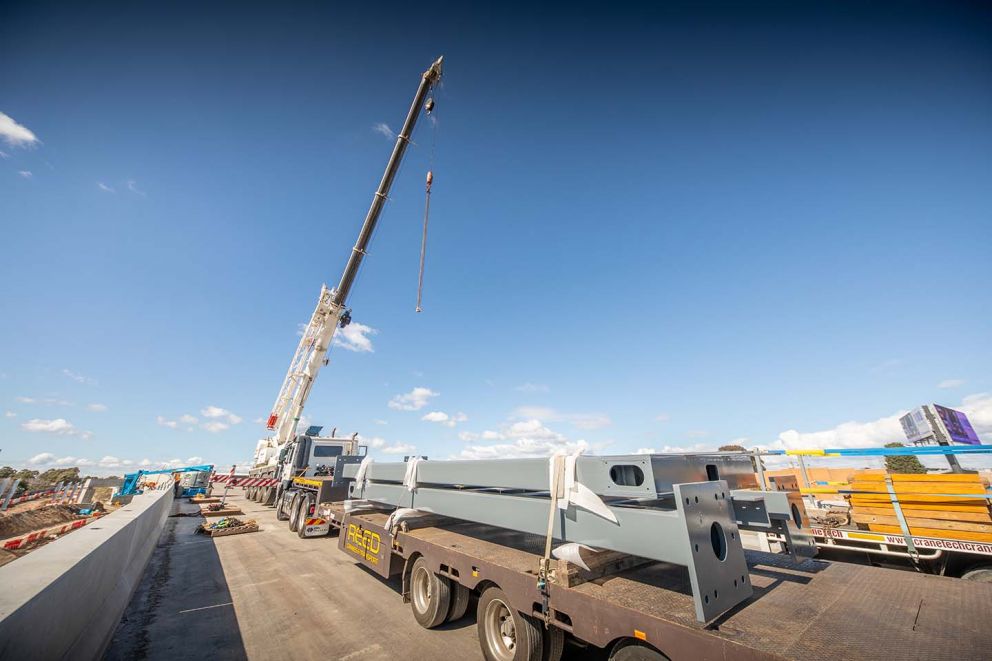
(903, 464)
(55, 475)
(7, 471)
(732, 448)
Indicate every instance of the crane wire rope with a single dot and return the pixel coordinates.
(427, 200)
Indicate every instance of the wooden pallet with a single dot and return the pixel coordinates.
(925, 503)
(231, 511)
(224, 532)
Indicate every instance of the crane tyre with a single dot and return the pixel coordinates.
(301, 521)
(294, 513)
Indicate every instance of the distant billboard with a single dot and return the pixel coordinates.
(938, 424)
(957, 425)
(916, 426)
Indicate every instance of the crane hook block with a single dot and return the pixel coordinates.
(429, 105)
(430, 180)
(345, 318)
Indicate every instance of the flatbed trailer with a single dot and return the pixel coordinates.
(805, 610)
(960, 558)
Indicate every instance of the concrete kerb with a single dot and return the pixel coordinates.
(65, 599)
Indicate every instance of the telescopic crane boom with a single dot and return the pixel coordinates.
(331, 311)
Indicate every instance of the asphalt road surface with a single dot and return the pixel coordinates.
(270, 595)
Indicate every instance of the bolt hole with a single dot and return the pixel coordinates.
(735, 582)
(687, 500)
(706, 598)
(697, 548)
(716, 594)
(716, 497)
(697, 498)
(718, 541)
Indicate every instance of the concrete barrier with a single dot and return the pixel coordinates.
(64, 600)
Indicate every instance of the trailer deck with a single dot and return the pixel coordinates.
(812, 609)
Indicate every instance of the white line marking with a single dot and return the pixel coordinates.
(203, 608)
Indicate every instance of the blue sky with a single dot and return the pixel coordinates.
(666, 230)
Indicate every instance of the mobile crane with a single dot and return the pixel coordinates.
(285, 455)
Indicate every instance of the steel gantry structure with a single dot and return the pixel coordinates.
(682, 509)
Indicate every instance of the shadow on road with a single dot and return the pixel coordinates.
(182, 607)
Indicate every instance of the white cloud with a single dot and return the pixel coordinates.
(978, 408)
(487, 435)
(57, 426)
(194, 461)
(79, 378)
(26, 400)
(4, 154)
(528, 438)
(109, 461)
(375, 442)
(399, 448)
(26, 174)
(663, 417)
(96, 408)
(216, 412)
(380, 422)
(133, 187)
(260, 420)
(187, 419)
(43, 458)
(382, 128)
(532, 387)
(355, 337)
(104, 187)
(14, 134)
(414, 400)
(578, 420)
(951, 383)
(9, 414)
(171, 424)
(215, 426)
(443, 418)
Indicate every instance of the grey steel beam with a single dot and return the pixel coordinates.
(699, 533)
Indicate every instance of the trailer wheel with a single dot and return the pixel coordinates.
(281, 514)
(504, 633)
(980, 574)
(459, 602)
(554, 644)
(633, 650)
(294, 513)
(430, 595)
(301, 521)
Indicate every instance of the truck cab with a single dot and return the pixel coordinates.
(313, 455)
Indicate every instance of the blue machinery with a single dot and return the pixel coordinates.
(132, 481)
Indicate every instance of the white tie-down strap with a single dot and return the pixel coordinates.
(397, 516)
(573, 492)
(362, 475)
(351, 505)
(572, 553)
(410, 479)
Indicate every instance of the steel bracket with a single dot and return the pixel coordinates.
(717, 565)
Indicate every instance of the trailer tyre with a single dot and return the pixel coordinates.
(294, 513)
(506, 634)
(430, 595)
(281, 514)
(982, 574)
(554, 644)
(459, 602)
(301, 521)
(633, 650)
